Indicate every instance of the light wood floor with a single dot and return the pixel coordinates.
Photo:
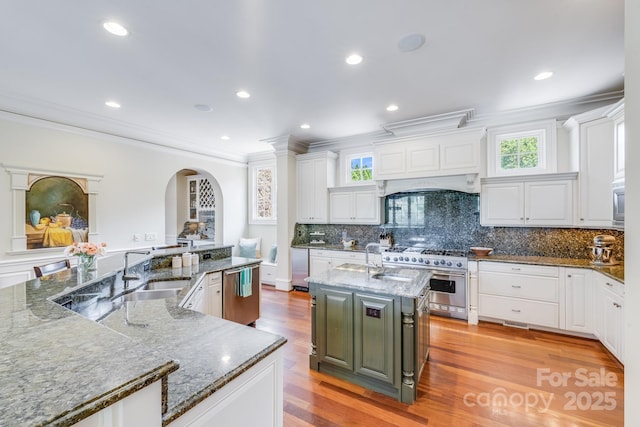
(476, 376)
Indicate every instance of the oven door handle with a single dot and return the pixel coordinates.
(442, 274)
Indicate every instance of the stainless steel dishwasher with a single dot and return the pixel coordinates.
(299, 268)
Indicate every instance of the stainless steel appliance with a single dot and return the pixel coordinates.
(241, 309)
(299, 268)
(448, 282)
(422, 336)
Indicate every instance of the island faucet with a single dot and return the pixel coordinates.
(366, 255)
(126, 277)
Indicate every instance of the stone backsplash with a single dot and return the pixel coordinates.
(452, 221)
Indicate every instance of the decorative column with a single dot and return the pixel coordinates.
(286, 148)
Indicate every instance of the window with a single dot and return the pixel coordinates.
(262, 190)
(360, 168)
(522, 149)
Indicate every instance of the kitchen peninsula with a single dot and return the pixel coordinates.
(60, 368)
(371, 327)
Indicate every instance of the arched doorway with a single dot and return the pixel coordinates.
(193, 207)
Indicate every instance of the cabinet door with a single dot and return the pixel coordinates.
(390, 161)
(613, 322)
(549, 203)
(341, 211)
(318, 265)
(422, 157)
(375, 337)
(502, 204)
(464, 155)
(334, 316)
(596, 173)
(306, 186)
(618, 151)
(579, 300)
(213, 294)
(366, 207)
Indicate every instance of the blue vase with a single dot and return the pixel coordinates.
(34, 217)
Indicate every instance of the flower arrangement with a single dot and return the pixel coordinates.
(87, 253)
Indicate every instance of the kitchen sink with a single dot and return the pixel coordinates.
(392, 276)
(144, 295)
(165, 284)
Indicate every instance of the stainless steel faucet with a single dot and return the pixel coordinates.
(126, 277)
(366, 255)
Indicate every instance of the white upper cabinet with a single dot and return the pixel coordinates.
(539, 201)
(592, 147)
(351, 206)
(315, 174)
(434, 155)
(617, 115)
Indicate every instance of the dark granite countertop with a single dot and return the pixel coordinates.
(341, 248)
(614, 271)
(59, 367)
(411, 281)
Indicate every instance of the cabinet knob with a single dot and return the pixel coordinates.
(516, 286)
(515, 310)
(615, 304)
(568, 275)
(527, 218)
(581, 219)
(521, 218)
(608, 284)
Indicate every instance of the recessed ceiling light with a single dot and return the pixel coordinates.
(112, 104)
(354, 59)
(203, 107)
(411, 42)
(243, 94)
(115, 28)
(225, 137)
(392, 107)
(305, 126)
(543, 75)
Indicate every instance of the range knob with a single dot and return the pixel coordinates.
(406, 259)
(387, 258)
(459, 264)
(427, 262)
(449, 264)
(395, 258)
(420, 260)
(442, 262)
(435, 262)
(413, 260)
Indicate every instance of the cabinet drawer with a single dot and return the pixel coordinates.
(349, 257)
(539, 288)
(519, 310)
(506, 267)
(613, 285)
(268, 273)
(320, 252)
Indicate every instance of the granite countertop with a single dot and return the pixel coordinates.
(59, 367)
(353, 276)
(614, 271)
(328, 247)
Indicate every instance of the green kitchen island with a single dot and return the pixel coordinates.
(371, 327)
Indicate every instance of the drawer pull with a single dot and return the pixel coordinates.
(616, 305)
(608, 284)
(515, 268)
(516, 286)
(515, 310)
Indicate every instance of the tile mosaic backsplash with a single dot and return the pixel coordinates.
(451, 220)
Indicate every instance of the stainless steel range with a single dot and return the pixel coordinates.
(449, 276)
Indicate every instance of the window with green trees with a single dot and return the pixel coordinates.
(361, 168)
(519, 153)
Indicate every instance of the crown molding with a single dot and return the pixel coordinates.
(287, 144)
(439, 122)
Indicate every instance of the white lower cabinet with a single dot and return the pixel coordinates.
(255, 398)
(610, 314)
(195, 299)
(142, 408)
(521, 293)
(321, 260)
(579, 300)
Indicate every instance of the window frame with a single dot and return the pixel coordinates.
(254, 169)
(348, 158)
(545, 131)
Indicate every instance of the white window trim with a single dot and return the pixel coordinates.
(346, 156)
(253, 192)
(546, 131)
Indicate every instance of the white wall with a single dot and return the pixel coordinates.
(632, 214)
(132, 191)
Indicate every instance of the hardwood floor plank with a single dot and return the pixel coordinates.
(484, 375)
